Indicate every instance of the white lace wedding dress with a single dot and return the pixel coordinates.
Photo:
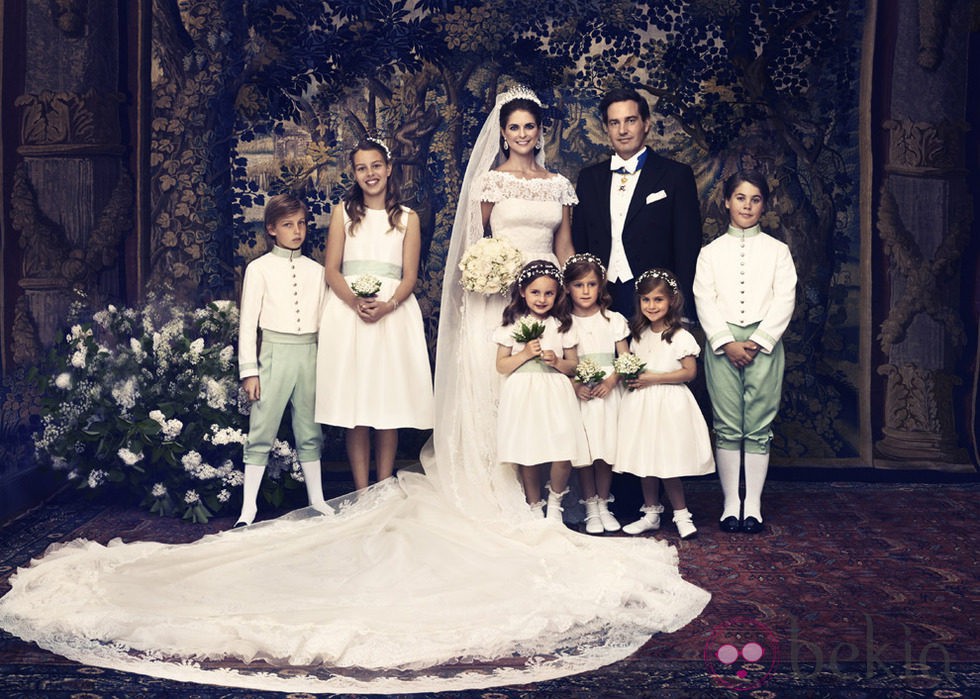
(427, 582)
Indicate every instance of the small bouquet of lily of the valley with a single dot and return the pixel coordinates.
(490, 266)
(589, 373)
(527, 329)
(366, 286)
(629, 366)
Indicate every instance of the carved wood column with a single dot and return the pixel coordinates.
(72, 194)
(923, 224)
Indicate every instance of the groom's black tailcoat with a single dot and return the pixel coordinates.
(660, 231)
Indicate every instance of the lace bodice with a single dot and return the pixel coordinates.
(526, 211)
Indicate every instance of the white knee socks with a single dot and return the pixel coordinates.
(728, 462)
(250, 494)
(314, 486)
(756, 467)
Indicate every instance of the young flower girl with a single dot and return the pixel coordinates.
(602, 335)
(538, 419)
(662, 433)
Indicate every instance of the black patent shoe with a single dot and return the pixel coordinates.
(750, 525)
(730, 524)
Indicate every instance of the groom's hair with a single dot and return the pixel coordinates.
(623, 94)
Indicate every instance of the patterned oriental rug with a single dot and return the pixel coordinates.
(854, 590)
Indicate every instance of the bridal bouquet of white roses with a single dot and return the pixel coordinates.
(629, 366)
(490, 266)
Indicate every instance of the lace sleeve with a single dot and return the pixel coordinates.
(564, 191)
(495, 186)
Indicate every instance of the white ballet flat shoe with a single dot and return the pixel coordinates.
(609, 521)
(648, 522)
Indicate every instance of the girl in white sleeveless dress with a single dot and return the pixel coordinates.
(602, 334)
(372, 361)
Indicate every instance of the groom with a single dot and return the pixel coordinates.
(638, 210)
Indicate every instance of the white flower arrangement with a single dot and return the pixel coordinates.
(588, 372)
(366, 286)
(490, 266)
(144, 402)
(527, 328)
(629, 366)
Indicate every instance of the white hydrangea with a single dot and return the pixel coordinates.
(191, 460)
(196, 350)
(214, 393)
(233, 479)
(225, 435)
(159, 490)
(137, 349)
(125, 393)
(63, 381)
(170, 429)
(225, 356)
(76, 333)
(191, 497)
(282, 449)
(96, 478)
(79, 357)
(128, 457)
(224, 496)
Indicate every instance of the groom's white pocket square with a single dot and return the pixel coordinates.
(656, 196)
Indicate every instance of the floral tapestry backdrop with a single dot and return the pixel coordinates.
(254, 97)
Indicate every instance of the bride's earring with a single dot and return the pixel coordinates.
(540, 142)
(506, 145)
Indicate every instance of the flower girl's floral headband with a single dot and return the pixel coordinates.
(538, 269)
(376, 140)
(583, 257)
(663, 275)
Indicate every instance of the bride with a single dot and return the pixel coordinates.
(425, 582)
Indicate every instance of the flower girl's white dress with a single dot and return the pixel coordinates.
(374, 374)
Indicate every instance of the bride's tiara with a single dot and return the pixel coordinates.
(517, 92)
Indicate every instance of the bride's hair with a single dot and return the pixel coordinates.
(518, 306)
(650, 281)
(354, 197)
(578, 266)
(519, 104)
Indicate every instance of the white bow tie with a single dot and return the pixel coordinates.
(618, 163)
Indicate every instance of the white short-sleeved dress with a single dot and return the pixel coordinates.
(374, 374)
(597, 338)
(661, 429)
(538, 418)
